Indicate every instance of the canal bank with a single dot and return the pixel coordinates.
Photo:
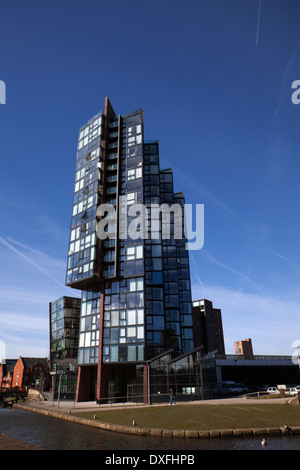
(69, 411)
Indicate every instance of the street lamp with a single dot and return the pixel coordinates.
(53, 385)
(58, 394)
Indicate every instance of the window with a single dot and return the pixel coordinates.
(140, 332)
(135, 284)
(134, 267)
(158, 307)
(174, 300)
(134, 173)
(131, 332)
(157, 277)
(131, 317)
(156, 250)
(188, 333)
(135, 299)
(140, 316)
(114, 353)
(157, 293)
(122, 332)
(137, 139)
(131, 198)
(157, 264)
(134, 252)
(158, 323)
(131, 353)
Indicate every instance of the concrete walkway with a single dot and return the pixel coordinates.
(69, 407)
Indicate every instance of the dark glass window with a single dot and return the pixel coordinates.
(156, 250)
(157, 277)
(114, 335)
(157, 293)
(157, 264)
(174, 301)
(158, 307)
(158, 323)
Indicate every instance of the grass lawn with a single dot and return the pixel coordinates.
(202, 417)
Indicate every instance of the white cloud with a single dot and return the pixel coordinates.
(21, 322)
(24, 334)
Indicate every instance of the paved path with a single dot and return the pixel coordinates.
(66, 406)
(10, 443)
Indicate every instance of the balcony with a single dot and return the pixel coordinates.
(112, 156)
(112, 135)
(113, 145)
(110, 272)
(112, 167)
(110, 243)
(113, 124)
(111, 179)
(109, 257)
(111, 190)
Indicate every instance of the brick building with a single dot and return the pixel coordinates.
(6, 372)
(208, 328)
(29, 371)
(243, 348)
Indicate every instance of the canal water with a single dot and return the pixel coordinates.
(51, 433)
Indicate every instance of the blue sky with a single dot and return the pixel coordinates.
(214, 79)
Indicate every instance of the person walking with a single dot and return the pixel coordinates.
(172, 397)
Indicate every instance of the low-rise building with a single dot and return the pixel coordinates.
(31, 371)
(244, 348)
(6, 372)
(256, 372)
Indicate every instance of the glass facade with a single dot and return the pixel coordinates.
(83, 241)
(135, 281)
(191, 376)
(124, 320)
(89, 327)
(64, 328)
(169, 307)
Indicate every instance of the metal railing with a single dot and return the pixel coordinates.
(241, 357)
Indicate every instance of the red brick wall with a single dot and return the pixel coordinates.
(17, 380)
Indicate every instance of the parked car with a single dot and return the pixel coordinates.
(230, 388)
(293, 391)
(243, 388)
(273, 390)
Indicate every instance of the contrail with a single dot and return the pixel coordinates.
(243, 276)
(258, 22)
(29, 260)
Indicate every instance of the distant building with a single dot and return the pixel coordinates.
(30, 371)
(256, 372)
(208, 328)
(244, 348)
(64, 316)
(6, 372)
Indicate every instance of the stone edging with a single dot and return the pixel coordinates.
(170, 433)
